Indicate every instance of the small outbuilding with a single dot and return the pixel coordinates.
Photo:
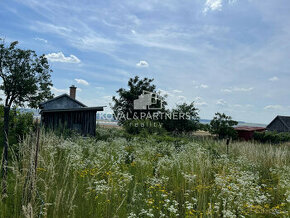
(247, 132)
(64, 111)
(280, 124)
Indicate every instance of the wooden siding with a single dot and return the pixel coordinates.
(277, 125)
(83, 122)
(61, 102)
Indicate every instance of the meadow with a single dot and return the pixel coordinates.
(117, 175)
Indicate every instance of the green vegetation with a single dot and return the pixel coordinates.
(19, 126)
(222, 125)
(25, 79)
(182, 119)
(272, 137)
(124, 103)
(121, 175)
(183, 124)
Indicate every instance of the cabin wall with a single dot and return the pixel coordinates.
(247, 135)
(83, 122)
(277, 126)
(61, 103)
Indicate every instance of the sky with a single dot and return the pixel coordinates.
(230, 56)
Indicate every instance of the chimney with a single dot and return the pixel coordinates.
(72, 91)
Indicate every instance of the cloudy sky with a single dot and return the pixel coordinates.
(230, 56)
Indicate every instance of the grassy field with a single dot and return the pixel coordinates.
(115, 175)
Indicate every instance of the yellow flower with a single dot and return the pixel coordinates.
(150, 201)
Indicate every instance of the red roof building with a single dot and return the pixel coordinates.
(247, 132)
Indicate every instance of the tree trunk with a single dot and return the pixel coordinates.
(5, 153)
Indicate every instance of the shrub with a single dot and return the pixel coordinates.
(272, 137)
(183, 124)
(20, 124)
(204, 127)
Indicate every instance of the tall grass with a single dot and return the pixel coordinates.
(118, 176)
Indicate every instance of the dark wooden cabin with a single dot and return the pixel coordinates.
(247, 132)
(280, 124)
(65, 111)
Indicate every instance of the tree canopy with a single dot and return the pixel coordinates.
(222, 125)
(186, 123)
(124, 104)
(25, 79)
(25, 76)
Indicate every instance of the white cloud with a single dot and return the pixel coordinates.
(59, 57)
(40, 39)
(274, 78)
(181, 99)
(274, 107)
(213, 5)
(221, 102)
(100, 88)
(198, 98)
(107, 97)
(142, 64)
(203, 86)
(48, 27)
(58, 91)
(164, 93)
(226, 90)
(199, 102)
(82, 82)
(243, 89)
(176, 91)
(237, 89)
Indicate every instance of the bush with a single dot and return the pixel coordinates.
(19, 125)
(204, 127)
(272, 137)
(188, 123)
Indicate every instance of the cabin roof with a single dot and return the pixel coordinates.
(101, 108)
(249, 128)
(61, 96)
(284, 119)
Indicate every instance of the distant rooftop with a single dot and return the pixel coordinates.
(249, 128)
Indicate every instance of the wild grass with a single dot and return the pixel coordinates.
(114, 175)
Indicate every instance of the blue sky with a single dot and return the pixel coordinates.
(230, 56)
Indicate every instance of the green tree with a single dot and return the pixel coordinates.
(25, 80)
(124, 103)
(204, 127)
(20, 124)
(184, 119)
(222, 125)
